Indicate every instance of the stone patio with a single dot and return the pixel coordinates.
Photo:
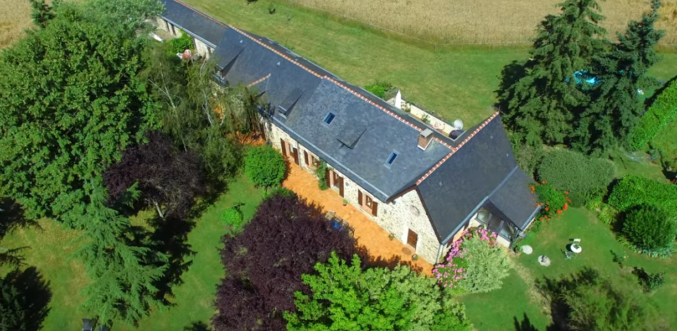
(383, 250)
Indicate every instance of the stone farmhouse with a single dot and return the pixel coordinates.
(412, 180)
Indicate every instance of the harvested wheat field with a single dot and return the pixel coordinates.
(489, 22)
(15, 17)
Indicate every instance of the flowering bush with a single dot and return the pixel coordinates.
(554, 202)
(474, 263)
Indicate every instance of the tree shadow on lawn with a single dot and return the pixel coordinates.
(197, 326)
(525, 325)
(170, 236)
(34, 296)
(553, 290)
(12, 217)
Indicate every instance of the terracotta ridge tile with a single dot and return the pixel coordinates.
(453, 151)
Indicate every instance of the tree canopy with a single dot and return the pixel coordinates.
(345, 297)
(617, 102)
(168, 179)
(119, 262)
(71, 100)
(284, 240)
(543, 103)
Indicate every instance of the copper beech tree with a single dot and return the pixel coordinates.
(264, 264)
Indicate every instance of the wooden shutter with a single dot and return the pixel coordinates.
(374, 207)
(284, 148)
(305, 157)
(327, 173)
(359, 197)
(341, 186)
(295, 154)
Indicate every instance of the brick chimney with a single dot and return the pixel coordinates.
(425, 138)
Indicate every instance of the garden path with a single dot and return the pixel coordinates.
(382, 250)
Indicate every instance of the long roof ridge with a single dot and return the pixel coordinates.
(401, 119)
(454, 150)
(258, 80)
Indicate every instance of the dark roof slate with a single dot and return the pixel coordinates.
(453, 192)
(514, 199)
(193, 22)
(375, 136)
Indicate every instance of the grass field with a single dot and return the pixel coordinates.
(487, 22)
(50, 251)
(454, 82)
(497, 310)
(14, 18)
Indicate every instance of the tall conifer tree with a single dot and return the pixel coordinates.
(122, 267)
(617, 103)
(543, 104)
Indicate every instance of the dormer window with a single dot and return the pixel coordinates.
(391, 159)
(329, 118)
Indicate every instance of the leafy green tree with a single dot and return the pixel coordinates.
(198, 114)
(486, 266)
(345, 297)
(264, 166)
(543, 103)
(617, 106)
(70, 101)
(650, 229)
(119, 262)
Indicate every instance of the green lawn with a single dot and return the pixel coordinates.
(454, 82)
(50, 251)
(496, 310)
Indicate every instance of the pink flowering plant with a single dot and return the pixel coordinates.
(474, 263)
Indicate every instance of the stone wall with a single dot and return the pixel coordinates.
(397, 217)
(201, 48)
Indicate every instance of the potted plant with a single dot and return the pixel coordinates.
(414, 257)
(345, 202)
(391, 236)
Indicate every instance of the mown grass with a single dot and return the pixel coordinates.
(497, 310)
(51, 249)
(454, 82)
(481, 21)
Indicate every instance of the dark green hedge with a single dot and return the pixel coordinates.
(661, 112)
(634, 190)
(651, 230)
(582, 176)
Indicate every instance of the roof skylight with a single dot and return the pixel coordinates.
(329, 118)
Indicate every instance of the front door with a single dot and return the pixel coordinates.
(412, 239)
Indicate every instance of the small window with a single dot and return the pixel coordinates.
(391, 158)
(329, 118)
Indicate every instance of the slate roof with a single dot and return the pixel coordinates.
(513, 200)
(454, 177)
(472, 176)
(193, 22)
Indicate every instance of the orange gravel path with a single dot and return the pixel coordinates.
(382, 250)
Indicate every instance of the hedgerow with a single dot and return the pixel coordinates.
(584, 177)
(650, 230)
(661, 112)
(634, 190)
